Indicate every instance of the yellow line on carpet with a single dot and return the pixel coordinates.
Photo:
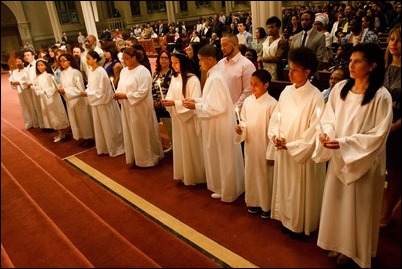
(200, 240)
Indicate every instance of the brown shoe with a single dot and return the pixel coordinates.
(333, 254)
(343, 260)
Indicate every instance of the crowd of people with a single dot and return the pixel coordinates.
(316, 160)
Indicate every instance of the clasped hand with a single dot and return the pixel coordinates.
(189, 103)
(327, 143)
(279, 142)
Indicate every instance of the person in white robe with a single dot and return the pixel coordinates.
(355, 126)
(142, 140)
(78, 108)
(52, 108)
(258, 149)
(29, 57)
(188, 158)
(19, 80)
(223, 157)
(298, 181)
(105, 110)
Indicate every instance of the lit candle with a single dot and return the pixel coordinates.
(237, 113)
(319, 119)
(111, 80)
(55, 83)
(160, 89)
(279, 124)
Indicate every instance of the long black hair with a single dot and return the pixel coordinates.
(186, 69)
(373, 54)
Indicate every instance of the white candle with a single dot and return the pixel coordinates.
(111, 80)
(319, 119)
(160, 89)
(55, 83)
(237, 113)
(279, 124)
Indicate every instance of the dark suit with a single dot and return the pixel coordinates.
(315, 41)
(65, 40)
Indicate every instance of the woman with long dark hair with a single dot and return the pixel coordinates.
(355, 126)
(188, 160)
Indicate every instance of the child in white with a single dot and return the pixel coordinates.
(255, 115)
(53, 111)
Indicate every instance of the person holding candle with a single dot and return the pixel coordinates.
(222, 156)
(298, 182)
(19, 80)
(258, 149)
(78, 108)
(30, 68)
(188, 158)
(160, 85)
(142, 141)
(105, 111)
(53, 111)
(356, 122)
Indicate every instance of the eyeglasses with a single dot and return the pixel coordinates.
(64, 60)
(164, 57)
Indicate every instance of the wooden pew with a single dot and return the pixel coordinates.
(276, 87)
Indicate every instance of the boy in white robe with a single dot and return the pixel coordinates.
(298, 182)
(255, 114)
(223, 157)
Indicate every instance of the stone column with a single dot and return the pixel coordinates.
(170, 11)
(54, 20)
(89, 18)
(261, 11)
(229, 7)
(23, 28)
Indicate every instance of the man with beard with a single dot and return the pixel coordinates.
(236, 68)
(310, 37)
(90, 45)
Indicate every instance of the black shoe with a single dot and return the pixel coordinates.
(285, 230)
(253, 210)
(87, 143)
(48, 130)
(266, 214)
(298, 236)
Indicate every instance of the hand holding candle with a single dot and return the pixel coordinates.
(238, 114)
(160, 89)
(279, 124)
(319, 119)
(111, 80)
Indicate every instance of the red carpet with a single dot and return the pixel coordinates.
(257, 240)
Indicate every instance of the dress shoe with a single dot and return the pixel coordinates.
(266, 214)
(216, 195)
(285, 230)
(333, 254)
(87, 143)
(343, 260)
(298, 236)
(253, 209)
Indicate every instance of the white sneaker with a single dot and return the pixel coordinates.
(59, 138)
(216, 195)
